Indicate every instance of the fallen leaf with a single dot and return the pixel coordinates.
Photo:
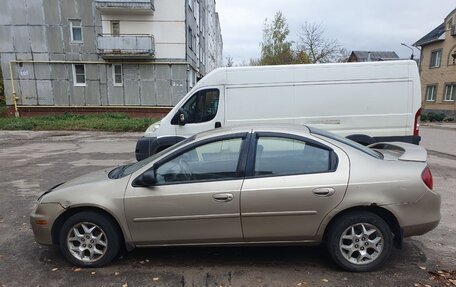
(54, 269)
(155, 279)
(125, 285)
(77, 270)
(325, 280)
(116, 273)
(141, 262)
(422, 268)
(416, 285)
(147, 260)
(93, 273)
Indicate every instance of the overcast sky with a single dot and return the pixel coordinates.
(356, 24)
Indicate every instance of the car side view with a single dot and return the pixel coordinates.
(281, 185)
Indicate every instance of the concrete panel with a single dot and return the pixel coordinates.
(35, 13)
(92, 93)
(92, 72)
(179, 72)
(5, 58)
(104, 94)
(38, 39)
(17, 12)
(45, 94)
(90, 57)
(148, 93)
(164, 96)
(6, 44)
(179, 90)
(147, 72)
(73, 57)
(68, 11)
(21, 39)
(131, 92)
(61, 94)
(85, 11)
(163, 72)
(61, 72)
(24, 56)
(54, 39)
(77, 96)
(130, 72)
(6, 13)
(89, 40)
(42, 72)
(26, 71)
(9, 91)
(57, 57)
(102, 69)
(28, 93)
(115, 96)
(41, 56)
(52, 15)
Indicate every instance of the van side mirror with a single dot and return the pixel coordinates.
(146, 179)
(182, 120)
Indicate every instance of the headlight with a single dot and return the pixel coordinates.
(153, 128)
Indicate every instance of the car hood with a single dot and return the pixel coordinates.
(93, 177)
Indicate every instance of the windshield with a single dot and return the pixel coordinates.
(128, 169)
(346, 141)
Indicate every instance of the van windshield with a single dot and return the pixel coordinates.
(346, 141)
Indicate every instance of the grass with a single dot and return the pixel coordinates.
(113, 122)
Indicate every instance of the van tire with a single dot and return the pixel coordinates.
(362, 139)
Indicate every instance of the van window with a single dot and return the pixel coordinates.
(202, 106)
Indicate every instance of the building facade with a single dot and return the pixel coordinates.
(94, 55)
(438, 68)
(372, 56)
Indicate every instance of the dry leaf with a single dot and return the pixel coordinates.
(77, 270)
(422, 268)
(116, 273)
(325, 280)
(155, 278)
(54, 269)
(93, 273)
(125, 285)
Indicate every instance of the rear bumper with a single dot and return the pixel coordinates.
(420, 217)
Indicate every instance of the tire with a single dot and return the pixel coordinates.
(359, 252)
(94, 237)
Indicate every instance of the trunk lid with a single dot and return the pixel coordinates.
(400, 151)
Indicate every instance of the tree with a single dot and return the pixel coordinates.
(313, 43)
(229, 61)
(275, 48)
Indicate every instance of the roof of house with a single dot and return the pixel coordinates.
(432, 36)
(375, 55)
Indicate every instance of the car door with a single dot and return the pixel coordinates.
(195, 198)
(202, 111)
(291, 184)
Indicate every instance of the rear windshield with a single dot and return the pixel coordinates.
(346, 141)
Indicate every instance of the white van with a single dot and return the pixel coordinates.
(367, 102)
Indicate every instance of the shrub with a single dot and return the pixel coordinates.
(424, 118)
(435, 117)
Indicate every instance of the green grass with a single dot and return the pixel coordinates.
(113, 122)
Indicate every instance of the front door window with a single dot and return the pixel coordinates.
(202, 107)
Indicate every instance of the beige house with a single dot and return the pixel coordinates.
(438, 68)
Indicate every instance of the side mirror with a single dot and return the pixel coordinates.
(146, 179)
(182, 120)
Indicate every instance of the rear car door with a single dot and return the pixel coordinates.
(291, 184)
(195, 198)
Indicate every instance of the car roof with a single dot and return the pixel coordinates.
(275, 128)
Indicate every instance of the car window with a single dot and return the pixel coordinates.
(202, 107)
(213, 161)
(285, 156)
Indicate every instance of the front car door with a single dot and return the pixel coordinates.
(203, 111)
(291, 185)
(195, 198)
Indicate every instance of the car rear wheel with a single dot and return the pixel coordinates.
(89, 239)
(360, 241)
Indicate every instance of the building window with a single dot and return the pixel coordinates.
(431, 92)
(436, 58)
(450, 92)
(79, 77)
(76, 31)
(190, 38)
(115, 28)
(117, 75)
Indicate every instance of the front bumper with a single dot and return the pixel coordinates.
(42, 220)
(420, 217)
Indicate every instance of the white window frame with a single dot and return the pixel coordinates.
(431, 97)
(450, 97)
(112, 28)
(72, 25)
(114, 75)
(438, 63)
(75, 83)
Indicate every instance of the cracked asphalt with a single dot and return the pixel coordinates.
(32, 162)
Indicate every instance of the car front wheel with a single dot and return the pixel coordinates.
(360, 241)
(89, 239)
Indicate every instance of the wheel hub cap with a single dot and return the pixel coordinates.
(87, 242)
(361, 243)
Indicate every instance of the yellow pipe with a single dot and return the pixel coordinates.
(15, 98)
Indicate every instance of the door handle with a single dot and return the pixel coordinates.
(223, 197)
(324, 191)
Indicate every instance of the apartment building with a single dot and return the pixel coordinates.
(438, 68)
(139, 56)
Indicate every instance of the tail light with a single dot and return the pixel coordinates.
(416, 127)
(426, 175)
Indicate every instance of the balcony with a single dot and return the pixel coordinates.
(126, 46)
(126, 6)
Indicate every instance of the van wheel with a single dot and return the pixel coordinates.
(89, 239)
(359, 241)
(362, 139)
